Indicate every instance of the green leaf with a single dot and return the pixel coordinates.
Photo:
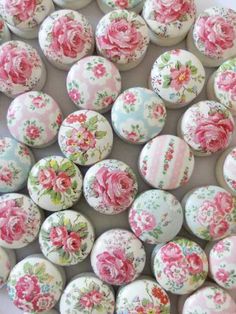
(193, 70)
(93, 120)
(67, 165)
(28, 268)
(74, 185)
(165, 58)
(166, 83)
(100, 134)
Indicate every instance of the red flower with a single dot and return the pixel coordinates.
(27, 287)
(72, 118)
(72, 243)
(122, 4)
(61, 182)
(46, 178)
(99, 70)
(74, 95)
(59, 119)
(58, 235)
(6, 175)
(32, 132)
(195, 265)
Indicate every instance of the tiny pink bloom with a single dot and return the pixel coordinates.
(171, 252)
(129, 98)
(32, 132)
(73, 118)
(158, 111)
(74, 94)
(107, 101)
(6, 175)
(195, 264)
(80, 139)
(180, 77)
(99, 70)
(219, 247)
(219, 297)
(167, 11)
(132, 136)
(222, 275)
(1, 25)
(21, 9)
(39, 102)
(59, 119)
(122, 4)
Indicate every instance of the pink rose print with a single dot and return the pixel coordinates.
(195, 265)
(6, 175)
(114, 267)
(68, 37)
(224, 202)
(114, 188)
(142, 222)
(39, 102)
(222, 275)
(122, 4)
(73, 118)
(62, 182)
(219, 247)
(99, 70)
(167, 11)
(74, 95)
(226, 81)
(216, 33)
(27, 287)
(147, 308)
(59, 119)
(1, 25)
(180, 77)
(107, 101)
(58, 235)
(15, 64)
(206, 212)
(129, 98)
(80, 139)
(91, 299)
(219, 229)
(12, 221)
(132, 136)
(72, 243)
(171, 252)
(176, 271)
(21, 9)
(46, 178)
(219, 298)
(32, 132)
(213, 133)
(158, 111)
(43, 302)
(121, 39)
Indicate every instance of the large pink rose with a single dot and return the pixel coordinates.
(46, 177)
(219, 229)
(6, 175)
(15, 64)
(72, 243)
(216, 32)
(68, 37)
(27, 287)
(90, 299)
(224, 202)
(121, 39)
(114, 188)
(195, 264)
(62, 182)
(21, 9)
(80, 139)
(167, 11)
(43, 302)
(115, 268)
(213, 133)
(12, 221)
(205, 214)
(226, 80)
(171, 252)
(180, 77)
(58, 235)
(176, 271)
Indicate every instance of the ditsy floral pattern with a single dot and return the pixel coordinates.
(138, 115)
(178, 77)
(66, 238)
(123, 4)
(55, 183)
(110, 186)
(85, 137)
(65, 37)
(94, 83)
(142, 296)
(122, 36)
(210, 213)
(180, 266)
(207, 127)
(20, 68)
(37, 122)
(214, 33)
(87, 294)
(35, 285)
(15, 163)
(118, 257)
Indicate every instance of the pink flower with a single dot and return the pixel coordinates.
(226, 81)
(219, 247)
(216, 32)
(132, 136)
(68, 37)
(96, 297)
(12, 221)
(62, 182)
(73, 118)
(59, 119)
(129, 98)
(58, 235)
(43, 302)
(32, 132)
(85, 301)
(176, 271)
(205, 214)
(15, 64)
(99, 70)
(213, 133)
(122, 4)
(219, 297)
(91, 299)
(114, 188)
(6, 175)
(121, 39)
(158, 111)
(180, 77)
(115, 268)
(224, 202)
(195, 264)
(1, 25)
(46, 178)
(107, 101)
(80, 139)
(167, 11)
(39, 102)
(27, 287)
(72, 243)
(171, 252)
(222, 275)
(141, 222)
(219, 229)
(21, 9)
(74, 95)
